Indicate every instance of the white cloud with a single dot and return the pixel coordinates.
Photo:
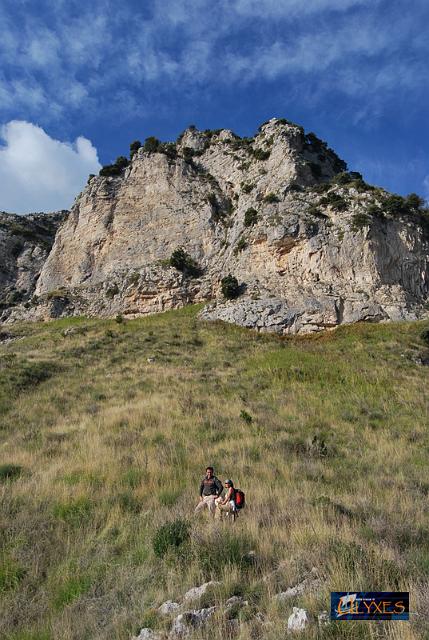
(39, 173)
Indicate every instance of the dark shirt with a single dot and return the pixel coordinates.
(211, 487)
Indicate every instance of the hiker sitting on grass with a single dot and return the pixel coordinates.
(227, 503)
(210, 489)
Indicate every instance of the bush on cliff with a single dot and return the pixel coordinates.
(116, 168)
(250, 217)
(345, 177)
(230, 287)
(183, 262)
(333, 200)
(134, 147)
(271, 198)
(261, 154)
(151, 144)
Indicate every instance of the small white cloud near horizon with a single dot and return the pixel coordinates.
(39, 173)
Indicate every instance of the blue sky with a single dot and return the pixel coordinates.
(80, 81)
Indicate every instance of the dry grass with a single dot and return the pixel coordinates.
(107, 447)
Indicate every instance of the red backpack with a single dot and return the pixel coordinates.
(240, 498)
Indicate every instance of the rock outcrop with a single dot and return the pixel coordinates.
(311, 245)
(25, 243)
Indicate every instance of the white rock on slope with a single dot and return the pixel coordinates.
(186, 622)
(298, 620)
(196, 592)
(149, 634)
(168, 607)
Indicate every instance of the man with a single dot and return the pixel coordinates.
(210, 489)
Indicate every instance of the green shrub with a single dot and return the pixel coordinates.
(250, 217)
(57, 293)
(133, 478)
(218, 211)
(360, 220)
(345, 177)
(342, 178)
(374, 210)
(183, 262)
(74, 512)
(261, 154)
(395, 205)
(34, 373)
(119, 319)
(134, 147)
(170, 536)
(151, 144)
(246, 417)
(169, 149)
(284, 121)
(116, 168)
(360, 185)
(244, 166)
(122, 162)
(188, 153)
(240, 246)
(355, 175)
(230, 287)
(314, 142)
(321, 188)
(271, 197)
(414, 201)
(223, 548)
(247, 187)
(334, 200)
(71, 590)
(212, 132)
(110, 170)
(313, 210)
(128, 502)
(9, 472)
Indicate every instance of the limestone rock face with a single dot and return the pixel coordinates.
(25, 242)
(308, 250)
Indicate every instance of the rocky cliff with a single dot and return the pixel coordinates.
(25, 243)
(310, 244)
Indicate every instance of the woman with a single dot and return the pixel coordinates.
(227, 503)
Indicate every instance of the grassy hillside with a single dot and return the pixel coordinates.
(99, 447)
